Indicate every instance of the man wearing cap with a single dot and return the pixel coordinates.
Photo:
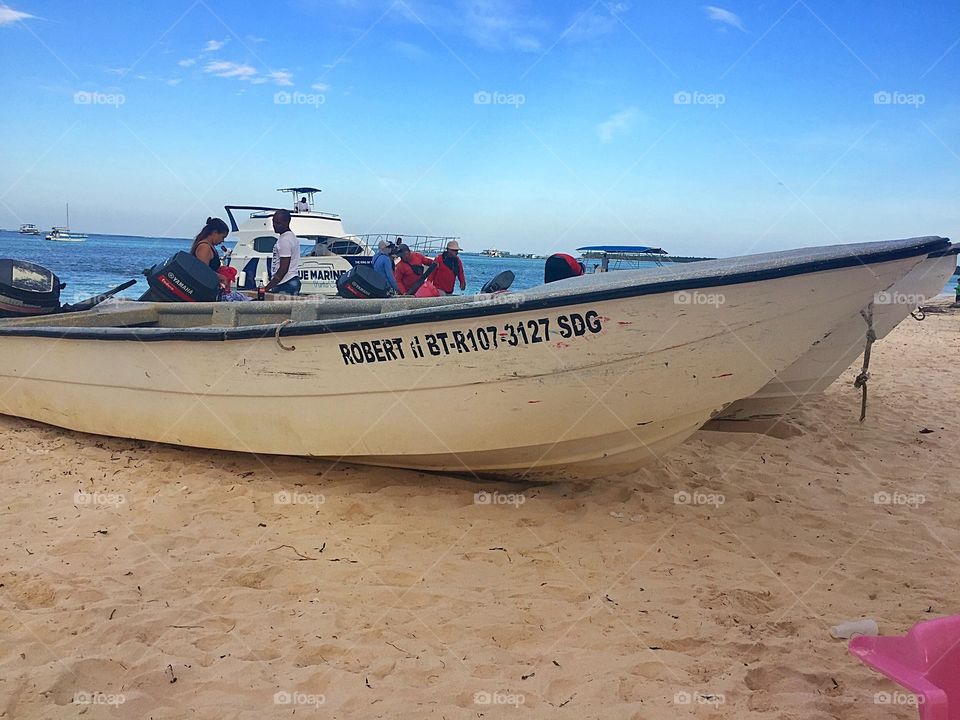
(383, 263)
(410, 268)
(449, 269)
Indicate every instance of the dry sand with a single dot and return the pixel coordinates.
(392, 594)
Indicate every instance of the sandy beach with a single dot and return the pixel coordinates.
(142, 580)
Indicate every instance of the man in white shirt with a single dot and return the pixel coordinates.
(302, 206)
(286, 257)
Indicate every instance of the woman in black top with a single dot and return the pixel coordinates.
(205, 243)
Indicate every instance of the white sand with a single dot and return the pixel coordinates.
(398, 596)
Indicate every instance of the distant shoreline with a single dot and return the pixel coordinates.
(93, 234)
(510, 256)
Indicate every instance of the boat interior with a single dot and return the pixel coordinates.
(127, 314)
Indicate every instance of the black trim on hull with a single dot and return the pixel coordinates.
(902, 249)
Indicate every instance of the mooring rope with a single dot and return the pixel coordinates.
(861, 381)
(919, 314)
(277, 336)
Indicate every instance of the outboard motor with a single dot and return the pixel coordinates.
(27, 289)
(362, 282)
(182, 278)
(561, 266)
(501, 282)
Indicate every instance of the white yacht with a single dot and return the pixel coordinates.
(29, 229)
(327, 252)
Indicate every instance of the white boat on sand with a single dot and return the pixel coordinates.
(826, 360)
(584, 377)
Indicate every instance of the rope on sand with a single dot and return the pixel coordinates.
(276, 335)
(861, 382)
(919, 314)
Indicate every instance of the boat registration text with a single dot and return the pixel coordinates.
(470, 340)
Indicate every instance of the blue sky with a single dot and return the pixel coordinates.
(707, 129)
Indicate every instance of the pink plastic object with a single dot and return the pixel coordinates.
(926, 661)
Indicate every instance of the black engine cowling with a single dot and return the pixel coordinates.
(182, 278)
(363, 282)
(27, 289)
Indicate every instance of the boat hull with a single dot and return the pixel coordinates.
(825, 361)
(524, 388)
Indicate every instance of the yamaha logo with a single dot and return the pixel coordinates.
(179, 283)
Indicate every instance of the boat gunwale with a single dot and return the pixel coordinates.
(498, 305)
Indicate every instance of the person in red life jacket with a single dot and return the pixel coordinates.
(410, 268)
(449, 269)
(561, 266)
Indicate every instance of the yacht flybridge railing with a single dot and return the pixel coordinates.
(429, 245)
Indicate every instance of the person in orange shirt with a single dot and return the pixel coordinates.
(410, 268)
(449, 269)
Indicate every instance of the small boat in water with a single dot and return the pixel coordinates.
(597, 258)
(63, 234)
(827, 359)
(29, 229)
(582, 377)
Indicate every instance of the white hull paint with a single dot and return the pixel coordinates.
(636, 376)
(825, 361)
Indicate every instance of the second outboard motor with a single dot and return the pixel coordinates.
(27, 289)
(560, 267)
(182, 278)
(362, 282)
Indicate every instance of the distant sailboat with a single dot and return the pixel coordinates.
(63, 234)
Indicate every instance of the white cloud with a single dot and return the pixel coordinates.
(255, 39)
(186, 62)
(408, 50)
(9, 15)
(491, 24)
(281, 77)
(222, 68)
(617, 124)
(213, 45)
(592, 25)
(174, 81)
(320, 87)
(724, 16)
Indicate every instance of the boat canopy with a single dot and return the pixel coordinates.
(300, 190)
(623, 249)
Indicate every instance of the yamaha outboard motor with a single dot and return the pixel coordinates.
(27, 289)
(560, 267)
(363, 282)
(182, 278)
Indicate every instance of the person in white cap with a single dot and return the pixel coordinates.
(449, 269)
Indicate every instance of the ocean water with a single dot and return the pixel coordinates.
(105, 261)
